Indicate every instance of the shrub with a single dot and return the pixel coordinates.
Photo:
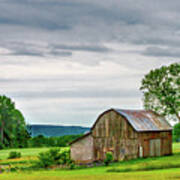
(65, 157)
(44, 160)
(109, 158)
(72, 166)
(14, 154)
(14, 169)
(53, 157)
(54, 154)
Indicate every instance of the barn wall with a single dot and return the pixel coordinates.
(164, 146)
(82, 150)
(113, 133)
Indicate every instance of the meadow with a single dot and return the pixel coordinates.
(25, 152)
(167, 167)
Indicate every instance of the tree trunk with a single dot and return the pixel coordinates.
(178, 116)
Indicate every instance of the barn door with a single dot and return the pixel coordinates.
(155, 147)
(98, 155)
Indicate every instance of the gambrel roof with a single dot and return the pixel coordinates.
(142, 120)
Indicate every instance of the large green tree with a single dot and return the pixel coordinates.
(161, 89)
(13, 131)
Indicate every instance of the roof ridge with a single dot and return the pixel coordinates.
(131, 109)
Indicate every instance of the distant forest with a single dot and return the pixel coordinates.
(54, 131)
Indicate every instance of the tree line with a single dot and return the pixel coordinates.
(42, 141)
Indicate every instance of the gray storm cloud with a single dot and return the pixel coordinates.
(68, 25)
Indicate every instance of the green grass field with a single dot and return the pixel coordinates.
(26, 152)
(98, 173)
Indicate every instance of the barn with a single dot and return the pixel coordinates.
(128, 134)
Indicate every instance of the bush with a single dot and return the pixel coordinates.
(53, 157)
(65, 157)
(14, 154)
(72, 166)
(14, 169)
(109, 158)
(44, 160)
(48, 158)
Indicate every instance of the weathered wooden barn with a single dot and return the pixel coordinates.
(128, 134)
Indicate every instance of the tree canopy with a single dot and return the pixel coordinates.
(161, 89)
(176, 132)
(13, 131)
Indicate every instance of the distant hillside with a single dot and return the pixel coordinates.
(52, 130)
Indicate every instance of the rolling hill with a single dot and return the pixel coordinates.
(53, 130)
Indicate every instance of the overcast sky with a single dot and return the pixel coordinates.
(65, 61)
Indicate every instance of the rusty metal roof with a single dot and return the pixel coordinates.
(143, 120)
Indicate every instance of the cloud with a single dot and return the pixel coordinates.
(31, 49)
(162, 52)
(16, 48)
(82, 47)
(86, 93)
(25, 52)
(31, 15)
(87, 26)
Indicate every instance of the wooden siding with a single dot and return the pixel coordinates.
(113, 133)
(165, 139)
